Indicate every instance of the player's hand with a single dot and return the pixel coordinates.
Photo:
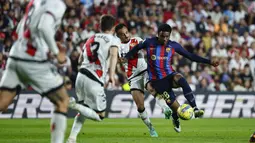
(215, 63)
(112, 81)
(61, 57)
(123, 60)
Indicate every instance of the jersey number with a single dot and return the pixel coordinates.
(31, 50)
(91, 48)
(94, 48)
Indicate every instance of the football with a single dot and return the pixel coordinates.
(185, 112)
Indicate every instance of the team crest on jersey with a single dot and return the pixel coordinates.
(153, 57)
(133, 44)
(168, 49)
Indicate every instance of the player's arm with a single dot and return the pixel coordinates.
(134, 50)
(113, 62)
(46, 28)
(80, 60)
(193, 57)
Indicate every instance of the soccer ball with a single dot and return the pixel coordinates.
(185, 112)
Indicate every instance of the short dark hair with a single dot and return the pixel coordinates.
(119, 26)
(164, 28)
(107, 22)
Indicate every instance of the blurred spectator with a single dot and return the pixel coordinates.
(237, 62)
(219, 52)
(238, 86)
(207, 39)
(216, 15)
(230, 14)
(239, 14)
(222, 26)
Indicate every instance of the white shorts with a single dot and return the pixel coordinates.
(139, 82)
(43, 77)
(90, 92)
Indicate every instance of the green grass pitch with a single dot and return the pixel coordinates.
(132, 131)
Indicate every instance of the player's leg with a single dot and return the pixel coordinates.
(44, 78)
(188, 94)
(60, 99)
(176, 122)
(159, 100)
(10, 85)
(6, 97)
(86, 95)
(137, 91)
(252, 138)
(164, 88)
(82, 82)
(138, 97)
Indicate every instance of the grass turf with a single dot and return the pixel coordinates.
(132, 131)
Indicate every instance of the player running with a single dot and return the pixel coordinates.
(136, 71)
(163, 78)
(90, 79)
(28, 62)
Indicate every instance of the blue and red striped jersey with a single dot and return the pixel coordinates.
(159, 57)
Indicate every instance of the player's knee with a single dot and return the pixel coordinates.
(150, 89)
(177, 77)
(6, 98)
(3, 106)
(60, 101)
(140, 107)
(63, 103)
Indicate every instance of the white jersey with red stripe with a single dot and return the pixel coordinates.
(31, 45)
(137, 64)
(96, 52)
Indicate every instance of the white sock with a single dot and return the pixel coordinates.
(162, 103)
(58, 128)
(145, 118)
(77, 125)
(87, 112)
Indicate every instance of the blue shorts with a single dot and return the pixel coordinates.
(164, 87)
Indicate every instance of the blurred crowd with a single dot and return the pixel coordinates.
(220, 29)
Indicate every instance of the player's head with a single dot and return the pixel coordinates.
(122, 33)
(107, 23)
(70, 3)
(164, 32)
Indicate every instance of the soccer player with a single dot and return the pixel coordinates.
(163, 78)
(252, 138)
(90, 79)
(136, 71)
(28, 62)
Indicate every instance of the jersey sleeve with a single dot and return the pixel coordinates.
(55, 8)
(193, 57)
(141, 45)
(139, 39)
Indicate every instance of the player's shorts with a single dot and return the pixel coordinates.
(89, 91)
(42, 76)
(138, 82)
(164, 87)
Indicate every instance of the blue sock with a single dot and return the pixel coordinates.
(188, 94)
(175, 116)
